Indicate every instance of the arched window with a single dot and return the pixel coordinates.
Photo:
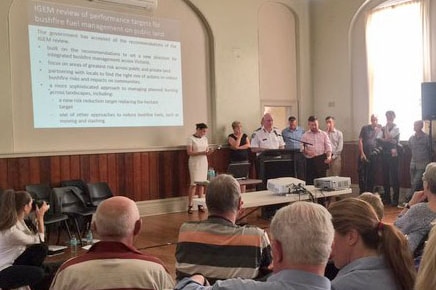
(396, 60)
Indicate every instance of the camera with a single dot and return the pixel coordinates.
(376, 151)
(37, 203)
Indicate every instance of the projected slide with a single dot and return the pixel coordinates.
(95, 68)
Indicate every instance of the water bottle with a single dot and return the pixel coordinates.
(89, 238)
(73, 245)
(210, 174)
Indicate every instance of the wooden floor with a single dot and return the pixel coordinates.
(159, 233)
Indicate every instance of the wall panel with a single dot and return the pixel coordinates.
(142, 175)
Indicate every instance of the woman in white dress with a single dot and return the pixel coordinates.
(198, 150)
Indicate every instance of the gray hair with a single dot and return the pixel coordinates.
(223, 194)
(305, 231)
(116, 217)
(430, 176)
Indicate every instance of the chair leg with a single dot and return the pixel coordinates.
(59, 233)
(47, 234)
(79, 237)
(67, 227)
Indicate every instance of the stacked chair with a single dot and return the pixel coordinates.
(54, 216)
(72, 203)
(98, 192)
(80, 184)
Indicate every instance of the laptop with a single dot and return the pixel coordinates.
(239, 170)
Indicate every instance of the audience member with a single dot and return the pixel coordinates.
(369, 253)
(114, 263)
(416, 217)
(337, 140)
(239, 143)
(22, 252)
(426, 278)
(198, 150)
(217, 247)
(267, 137)
(375, 201)
(302, 235)
(292, 136)
(419, 144)
(389, 141)
(319, 153)
(367, 144)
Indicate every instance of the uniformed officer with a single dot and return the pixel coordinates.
(267, 137)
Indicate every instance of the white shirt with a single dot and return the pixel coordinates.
(13, 242)
(268, 140)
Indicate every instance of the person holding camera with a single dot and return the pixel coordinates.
(21, 250)
(367, 144)
(390, 140)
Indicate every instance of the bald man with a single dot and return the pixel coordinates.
(114, 263)
(267, 137)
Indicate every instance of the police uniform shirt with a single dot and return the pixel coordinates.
(267, 140)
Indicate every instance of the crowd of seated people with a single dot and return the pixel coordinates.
(369, 253)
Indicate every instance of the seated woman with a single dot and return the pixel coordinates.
(239, 143)
(369, 253)
(375, 201)
(21, 250)
(416, 217)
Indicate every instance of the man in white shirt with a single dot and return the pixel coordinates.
(267, 137)
(337, 140)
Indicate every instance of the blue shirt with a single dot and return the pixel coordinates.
(365, 273)
(283, 280)
(294, 134)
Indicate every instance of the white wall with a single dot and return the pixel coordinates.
(324, 66)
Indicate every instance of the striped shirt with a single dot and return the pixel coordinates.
(112, 265)
(219, 249)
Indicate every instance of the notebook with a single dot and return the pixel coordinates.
(239, 170)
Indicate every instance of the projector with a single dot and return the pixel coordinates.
(332, 183)
(285, 185)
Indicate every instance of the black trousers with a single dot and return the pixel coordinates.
(366, 171)
(26, 269)
(391, 166)
(316, 168)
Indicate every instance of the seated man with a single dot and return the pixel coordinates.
(114, 263)
(217, 247)
(302, 236)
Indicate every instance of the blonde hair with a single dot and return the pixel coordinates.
(235, 124)
(426, 278)
(375, 201)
